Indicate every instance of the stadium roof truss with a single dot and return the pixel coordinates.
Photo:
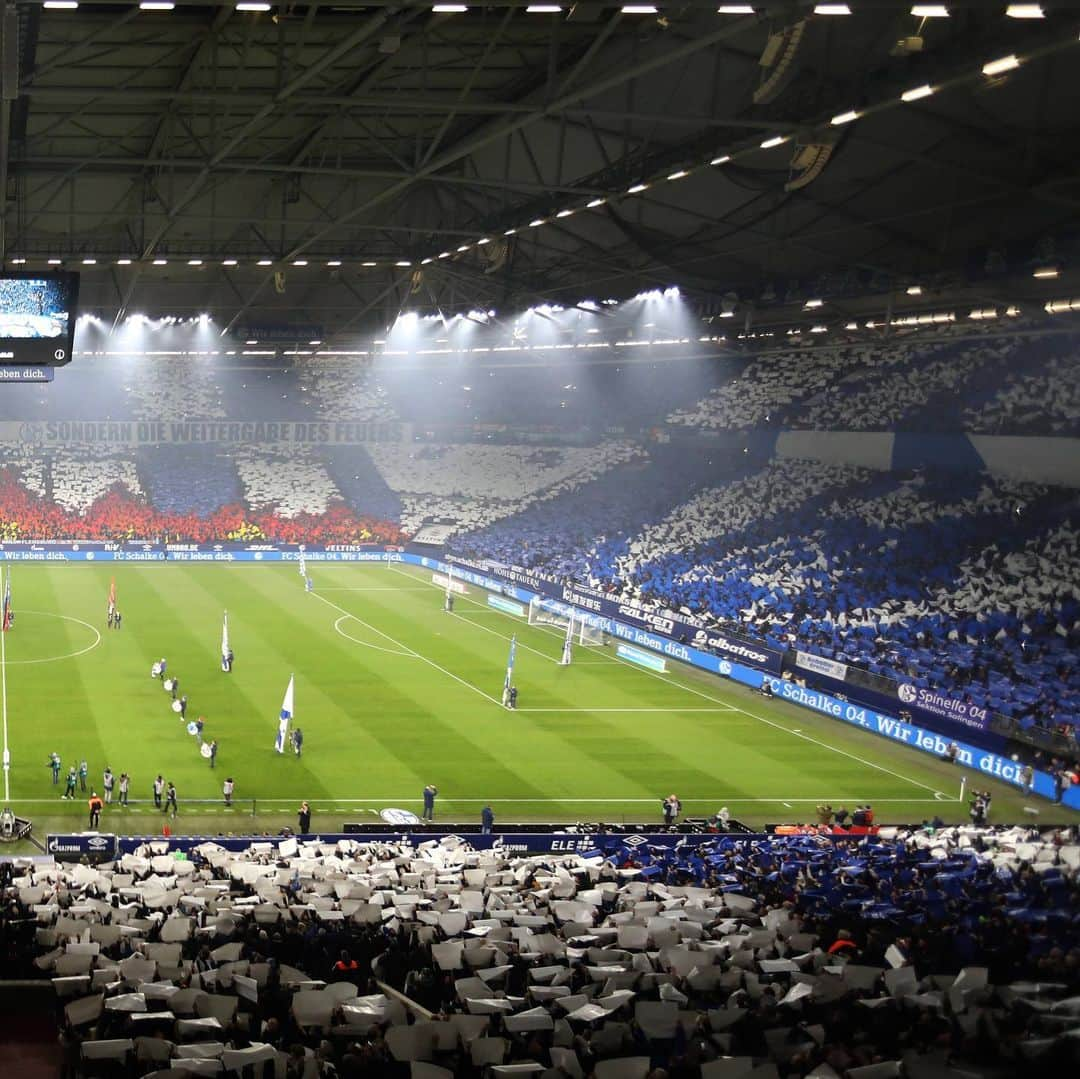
(333, 163)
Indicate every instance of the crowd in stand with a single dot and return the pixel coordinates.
(964, 585)
(939, 951)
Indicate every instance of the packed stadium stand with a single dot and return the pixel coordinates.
(916, 952)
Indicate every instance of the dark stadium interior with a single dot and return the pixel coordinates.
(734, 345)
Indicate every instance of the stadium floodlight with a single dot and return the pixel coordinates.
(565, 213)
(228, 262)
(811, 304)
(449, 9)
(17, 261)
(832, 9)
(776, 140)
(333, 262)
(638, 9)
(464, 247)
(89, 262)
(56, 262)
(917, 92)
(914, 290)
(844, 118)
(265, 262)
(119, 262)
(636, 189)
(722, 160)
(929, 11)
(156, 5)
(678, 174)
(483, 240)
(370, 264)
(592, 205)
(160, 262)
(543, 9)
(61, 5)
(506, 232)
(194, 262)
(999, 67)
(734, 9)
(1025, 11)
(299, 262)
(403, 262)
(1046, 273)
(248, 5)
(536, 222)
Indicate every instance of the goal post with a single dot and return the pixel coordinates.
(541, 614)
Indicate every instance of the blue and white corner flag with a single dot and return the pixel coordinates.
(509, 669)
(225, 641)
(283, 719)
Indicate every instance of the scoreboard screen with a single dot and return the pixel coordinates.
(37, 318)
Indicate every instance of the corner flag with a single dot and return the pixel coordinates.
(8, 613)
(510, 668)
(283, 719)
(112, 596)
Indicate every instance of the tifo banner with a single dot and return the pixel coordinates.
(820, 665)
(941, 704)
(724, 645)
(214, 432)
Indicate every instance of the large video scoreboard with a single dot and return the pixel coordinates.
(37, 318)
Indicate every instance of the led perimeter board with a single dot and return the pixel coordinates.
(37, 318)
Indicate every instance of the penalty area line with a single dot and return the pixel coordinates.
(410, 651)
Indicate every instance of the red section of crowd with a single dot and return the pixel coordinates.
(117, 515)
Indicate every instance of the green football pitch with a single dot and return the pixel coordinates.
(393, 693)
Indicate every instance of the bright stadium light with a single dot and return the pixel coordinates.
(636, 189)
(248, 5)
(56, 262)
(722, 160)
(61, 5)
(592, 204)
(161, 262)
(999, 67)
(156, 5)
(299, 262)
(265, 262)
(543, 9)
(678, 174)
(735, 9)
(228, 262)
(844, 118)
(917, 92)
(930, 11)
(832, 9)
(1025, 11)
(776, 140)
(119, 262)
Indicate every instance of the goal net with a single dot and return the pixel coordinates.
(550, 613)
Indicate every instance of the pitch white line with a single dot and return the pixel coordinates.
(620, 711)
(411, 651)
(366, 644)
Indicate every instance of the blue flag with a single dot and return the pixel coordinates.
(284, 717)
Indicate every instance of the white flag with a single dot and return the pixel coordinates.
(284, 717)
(225, 662)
